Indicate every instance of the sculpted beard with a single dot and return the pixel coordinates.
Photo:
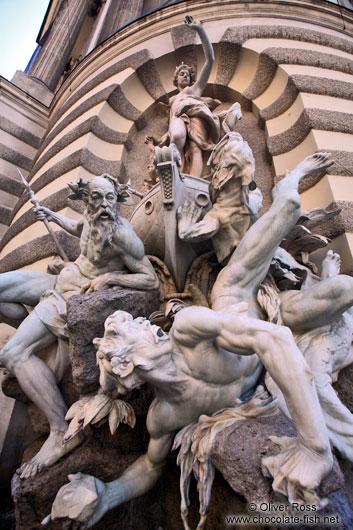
(103, 227)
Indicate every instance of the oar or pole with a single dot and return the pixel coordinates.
(35, 202)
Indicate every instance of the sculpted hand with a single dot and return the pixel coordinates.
(192, 23)
(42, 213)
(297, 470)
(101, 283)
(187, 215)
(82, 501)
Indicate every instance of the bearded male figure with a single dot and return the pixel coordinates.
(111, 254)
(210, 358)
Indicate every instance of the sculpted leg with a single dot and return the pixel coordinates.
(177, 131)
(318, 305)
(12, 314)
(252, 257)
(195, 158)
(24, 287)
(21, 287)
(38, 382)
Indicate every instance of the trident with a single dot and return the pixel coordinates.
(36, 204)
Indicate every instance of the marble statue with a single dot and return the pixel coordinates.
(211, 358)
(232, 171)
(193, 128)
(111, 255)
(327, 348)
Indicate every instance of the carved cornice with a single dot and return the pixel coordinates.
(302, 21)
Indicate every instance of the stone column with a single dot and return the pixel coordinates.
(127, 12)
(58, 45)
(120, 12)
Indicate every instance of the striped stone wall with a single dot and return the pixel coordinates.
(23, 122)
(290, 64)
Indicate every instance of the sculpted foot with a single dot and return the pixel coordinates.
(313, 164)
(331, 265)
(316, 163)
(51, 451)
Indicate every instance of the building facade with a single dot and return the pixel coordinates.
(90, 96)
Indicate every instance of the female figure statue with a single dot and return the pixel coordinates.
(192, 126)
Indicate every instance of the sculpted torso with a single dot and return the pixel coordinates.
(187, 96)
(94, 262)
(203, 376)
(90, 263)
(201, 388)
(109, 248)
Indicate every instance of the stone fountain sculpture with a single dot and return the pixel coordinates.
(204, 370)
(111, 255)
(211, 357)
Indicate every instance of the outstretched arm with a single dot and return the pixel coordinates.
(70, 225)
(305, 460)
(233, 331)
(142, 474)
(86, 499)
(202, 80)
